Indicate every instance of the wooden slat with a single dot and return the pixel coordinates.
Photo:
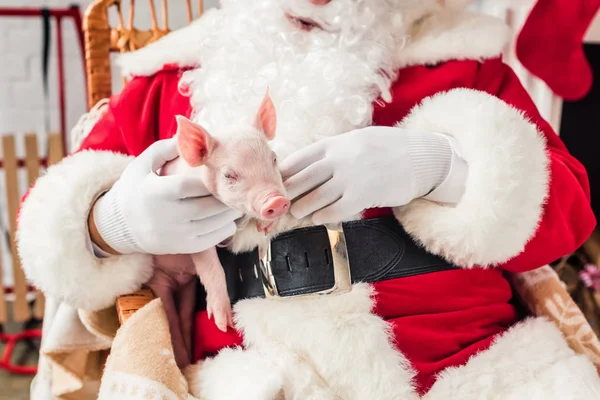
(120, 23)
(32, 158)
(55, 149)
(128, 304)
(165, 11)
(21, 308)
(131, 14)
(3, 313)
(39, 305)
(190, 13)
(153, 18)
(33, 165)
(3, 310)
(55, 154)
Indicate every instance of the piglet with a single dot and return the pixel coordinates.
(238, 167)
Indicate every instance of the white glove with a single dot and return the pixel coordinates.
(147, 213)
(372, 167)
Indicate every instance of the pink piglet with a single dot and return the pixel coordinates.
(239, 168)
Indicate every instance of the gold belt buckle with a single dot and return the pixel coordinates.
(341, 269)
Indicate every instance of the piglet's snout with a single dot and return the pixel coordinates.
(275, 207)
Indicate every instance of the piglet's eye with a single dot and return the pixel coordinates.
(230, 176)
(274, 160)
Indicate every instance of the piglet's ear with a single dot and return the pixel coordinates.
(195, 144)
(266, 119)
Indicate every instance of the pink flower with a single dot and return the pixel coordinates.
(590, 275)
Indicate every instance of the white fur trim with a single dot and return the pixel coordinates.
(179, 47)
(506, 186)
(235, 374)
(455, 36)
(327, 346)
(456, 4)
(274, 373)
(53, 238)
(443, 36)
(86, 122)
(531, 361)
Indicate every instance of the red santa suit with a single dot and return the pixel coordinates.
(444, 335)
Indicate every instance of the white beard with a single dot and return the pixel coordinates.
(322, 83)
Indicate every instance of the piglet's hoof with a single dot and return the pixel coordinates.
(220, 311)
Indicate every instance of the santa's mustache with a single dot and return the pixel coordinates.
(334, 16)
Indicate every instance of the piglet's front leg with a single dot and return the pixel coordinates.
(211, 273)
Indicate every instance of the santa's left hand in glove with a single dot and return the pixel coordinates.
(337, 178)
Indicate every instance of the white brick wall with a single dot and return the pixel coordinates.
(22, 103)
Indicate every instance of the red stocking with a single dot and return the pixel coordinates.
(550, 45)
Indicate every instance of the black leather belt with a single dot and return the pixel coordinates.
(302, 261)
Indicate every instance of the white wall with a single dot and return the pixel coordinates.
(22, 104)
(593, 33)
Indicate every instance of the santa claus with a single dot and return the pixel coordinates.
(397, 118)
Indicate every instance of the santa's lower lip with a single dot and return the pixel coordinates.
(304, 24)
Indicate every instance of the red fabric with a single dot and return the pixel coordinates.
(550, 45)
(208, 339)
(438, 320)
(141, 114)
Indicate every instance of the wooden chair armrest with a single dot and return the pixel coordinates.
(128, 304)
(544, 295)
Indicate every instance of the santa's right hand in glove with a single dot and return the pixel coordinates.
(147, 213)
